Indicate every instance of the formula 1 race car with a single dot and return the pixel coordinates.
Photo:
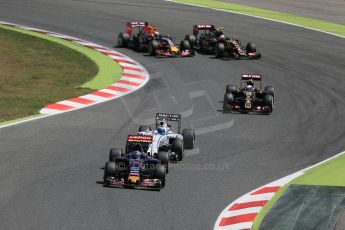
(213, 41)
(133, 36)
(140, 36)
(135, 169)
(249, 98)
(166, 140)
(163, 45)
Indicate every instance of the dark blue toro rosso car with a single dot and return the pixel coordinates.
(134, 169)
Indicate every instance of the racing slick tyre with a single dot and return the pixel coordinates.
(153, 46)
(122, 40)
(270, 90)
(191, 39)
(188, 138)
(268, 101)
(231, 88)
(177, 147)
(109, 170)
(114, 153)
(143, 128)
(163, 156)
(250, 48)
(228, 99)
(219, 50)
(160, 174)
(185, 45)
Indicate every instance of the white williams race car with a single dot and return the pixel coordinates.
(165, 139)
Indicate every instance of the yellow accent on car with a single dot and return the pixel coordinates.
(133, 179)
(174, 49)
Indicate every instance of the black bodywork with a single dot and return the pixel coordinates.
(255, 100)
(207, 39)
(135, 38)
(134, 169)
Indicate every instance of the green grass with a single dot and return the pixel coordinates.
(331, 173)
(35, 72)
(298, 20)
(38, 70)
(108, 70)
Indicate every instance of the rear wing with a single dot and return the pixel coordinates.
(134, 140)
(169, 117)
(135, 24)
(255, 77)
(139, 139)
(196, 28)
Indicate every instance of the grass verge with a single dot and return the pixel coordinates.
(108, 70)
(274, 15)
(331, 173)
(38, 70)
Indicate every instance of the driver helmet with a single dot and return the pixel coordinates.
(249, 88)
(250, 82)
(161, 131)
(220, 30)
(135, 155)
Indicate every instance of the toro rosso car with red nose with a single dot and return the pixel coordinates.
(135, 169)
(207, 38)
(249, 97)
(141, 36)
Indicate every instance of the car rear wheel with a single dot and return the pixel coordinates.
(123, 39)
(153, 46)
(250, 48)
(219, 50)
(191, 39)
(188, 138)
(270, 90)
(268, 101)
(114, 153)
(231, 88)
(163, 156)
(177, 147)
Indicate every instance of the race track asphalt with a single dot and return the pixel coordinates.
(49, 168)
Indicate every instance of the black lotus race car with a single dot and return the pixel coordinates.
(249, 98)
(135, 169)
(140, 36)
(208, 39)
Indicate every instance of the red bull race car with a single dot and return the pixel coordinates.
(141, 36)
(135, 169)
